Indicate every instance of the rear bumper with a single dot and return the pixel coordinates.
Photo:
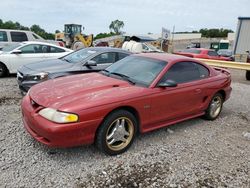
(53, 134)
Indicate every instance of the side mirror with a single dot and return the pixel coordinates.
(16, 52)
(91, 63)
(167, 83)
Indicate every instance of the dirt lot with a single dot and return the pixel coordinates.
(195, 153)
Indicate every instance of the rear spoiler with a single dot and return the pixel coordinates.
(225, 71)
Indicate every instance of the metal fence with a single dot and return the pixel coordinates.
(226, 64)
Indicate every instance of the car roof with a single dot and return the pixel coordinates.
(166, 57)
(108, 49)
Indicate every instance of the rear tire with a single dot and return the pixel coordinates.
(248, 75)
(215, 107)
(116, 133)
(3, 70)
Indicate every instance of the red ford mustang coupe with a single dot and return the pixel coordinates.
(137, 94)
(203, 54)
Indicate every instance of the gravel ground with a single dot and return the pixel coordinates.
(195, 153)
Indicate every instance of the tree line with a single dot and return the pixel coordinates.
(212, 33)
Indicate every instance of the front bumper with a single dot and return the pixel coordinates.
(25, 84)
(54, 134)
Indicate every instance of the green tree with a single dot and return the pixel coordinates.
(41, 32)
(213, 33)
(104, 35)
(116, 26)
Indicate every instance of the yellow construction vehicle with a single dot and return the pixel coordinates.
(73, 37)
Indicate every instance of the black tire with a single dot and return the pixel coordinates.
(215, 107)
(248, 75)
(114, 127)
(3, 70)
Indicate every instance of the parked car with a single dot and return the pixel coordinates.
(16, 55)
(81, 61)
(8, 37)
(202, 53)
(137, 94)
(226, 53)
(248, 61)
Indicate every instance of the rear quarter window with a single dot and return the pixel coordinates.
(204, 72)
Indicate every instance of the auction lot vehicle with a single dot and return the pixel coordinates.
(73, 37)
(16, 55)
(226, 53)
(8, 37)
(139, 93)
(242, 42)
(81, 61)
(202, 53)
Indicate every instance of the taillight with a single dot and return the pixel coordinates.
(61, 44)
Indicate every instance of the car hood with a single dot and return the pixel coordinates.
(49, 66)
(83, 91)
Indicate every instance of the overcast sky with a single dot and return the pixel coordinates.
(139, 16)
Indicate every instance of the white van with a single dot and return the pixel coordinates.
(8, 36)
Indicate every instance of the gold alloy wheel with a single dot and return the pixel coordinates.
(120, 133)
(215, 106)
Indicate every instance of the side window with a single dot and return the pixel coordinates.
(56, 50)
(28, 49)
(108, 57)
(182, 72)
(35, 48)
(35, 36)
(212, 53)
(18, 36)
(122, 55)
(144, 47)
(3, 36)
(204, 72)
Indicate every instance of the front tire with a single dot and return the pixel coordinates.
(3, 70)
(215, 107)
(248, 75)
(116, 133)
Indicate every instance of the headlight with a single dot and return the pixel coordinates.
(40, 76)
(58, 117)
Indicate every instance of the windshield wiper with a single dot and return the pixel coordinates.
(125, 77)
(105, 72)
(66, 60)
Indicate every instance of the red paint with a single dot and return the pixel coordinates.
(93, 96)
(203, 55)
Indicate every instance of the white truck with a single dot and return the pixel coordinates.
(242, 42)
(8, 37)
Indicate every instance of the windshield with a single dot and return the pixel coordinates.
(140, 70)
(10, 47)
(79, 55)
(152, 47)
